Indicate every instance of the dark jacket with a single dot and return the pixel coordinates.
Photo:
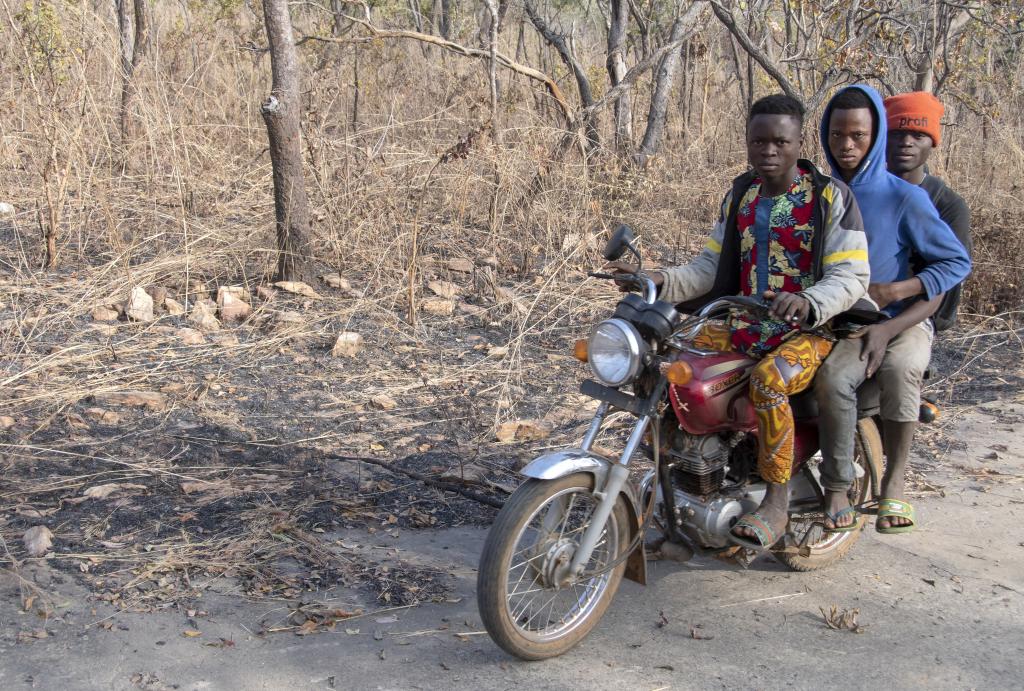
(953, 210)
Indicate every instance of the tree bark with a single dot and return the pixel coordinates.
(133, 47)
(579, 73)
(682, 28)
(281, 115)
(447, 18)
(616, 64)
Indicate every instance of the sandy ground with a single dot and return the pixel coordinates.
(942, 608)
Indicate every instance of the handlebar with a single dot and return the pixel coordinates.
(639, 279)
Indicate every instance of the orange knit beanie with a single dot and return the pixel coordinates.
(917, 111)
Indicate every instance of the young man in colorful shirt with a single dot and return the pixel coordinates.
(793, 235)
(901, 223)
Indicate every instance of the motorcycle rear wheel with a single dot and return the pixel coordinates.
(534, 535)
(829, 548)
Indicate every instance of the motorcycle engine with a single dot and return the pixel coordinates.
(698, 462)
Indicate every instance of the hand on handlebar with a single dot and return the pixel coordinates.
(791, 308)
(627, 272)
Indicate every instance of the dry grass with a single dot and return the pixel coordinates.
(187, 205)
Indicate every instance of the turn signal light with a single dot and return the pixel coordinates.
(579, 350)
(679, 373)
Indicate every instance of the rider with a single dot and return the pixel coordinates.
(794, 236)
(914, 131)
(900, 221)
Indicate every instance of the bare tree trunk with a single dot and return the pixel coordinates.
(281, 115)
(579, 73)
(492, 73)
(666, 74)
(133, 47)
(616, 65)
(447, 18)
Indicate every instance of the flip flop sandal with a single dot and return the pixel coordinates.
(835, 518)
(895, 508)
(869, 507)
(762, 529)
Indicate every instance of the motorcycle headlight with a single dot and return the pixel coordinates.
(614, 352)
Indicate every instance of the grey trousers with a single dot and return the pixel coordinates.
(835, 386)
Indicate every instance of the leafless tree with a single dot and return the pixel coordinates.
(683, 27)
(616, 65)
(281, 113)
(133, 46)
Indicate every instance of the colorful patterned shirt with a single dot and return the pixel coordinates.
(775, 254)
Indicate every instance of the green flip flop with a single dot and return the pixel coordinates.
(840, 514)
(895, 508)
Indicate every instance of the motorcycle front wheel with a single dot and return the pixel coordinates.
(527, 604)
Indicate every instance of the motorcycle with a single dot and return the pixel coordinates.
(564, 540)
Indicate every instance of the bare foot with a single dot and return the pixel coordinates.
(773, 513)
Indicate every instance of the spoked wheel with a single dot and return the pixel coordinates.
(826, 548)
(529, 604)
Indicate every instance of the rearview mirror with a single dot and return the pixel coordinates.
(617, 244)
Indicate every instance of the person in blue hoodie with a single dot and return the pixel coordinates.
(900, 222)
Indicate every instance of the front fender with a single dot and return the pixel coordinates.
(556, 464)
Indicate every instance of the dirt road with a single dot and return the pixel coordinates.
(942, 608)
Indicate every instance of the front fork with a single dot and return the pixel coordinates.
(607, 495)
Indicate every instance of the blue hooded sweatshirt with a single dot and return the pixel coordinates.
(899, 218)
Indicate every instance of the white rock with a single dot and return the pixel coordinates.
(438, 306)
(462, 266)
(383, 402)
(191, 336)
(6, 209)
(232, 308)
(173, 307)
(238, 291)
(297, 287)
(443, 289)
(287, 317)
(38, 540)
(203, 316)
(349, 344)
(139, 306)
(337, 281)
(104, 314)
(6, 422)
(139, 399)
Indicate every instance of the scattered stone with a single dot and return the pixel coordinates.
(232, 308)
(523, 430)
(38, 540)
(459, 265)
(444, 289)
(348, 345)
(104, 314)
(297, 287)
(438, 306)
(6, 422)
(498, 352)
(383, 402)
(265, 292)
(190, 336)
(203, 316)
(337, 281)
(472, 310)
(139, 306)
(286, 317)
(6, 209)
(491, 261)
(107, 417)
(238, 291)
(173, 307)
(224, 339)
(158, 293)
(139, 399)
